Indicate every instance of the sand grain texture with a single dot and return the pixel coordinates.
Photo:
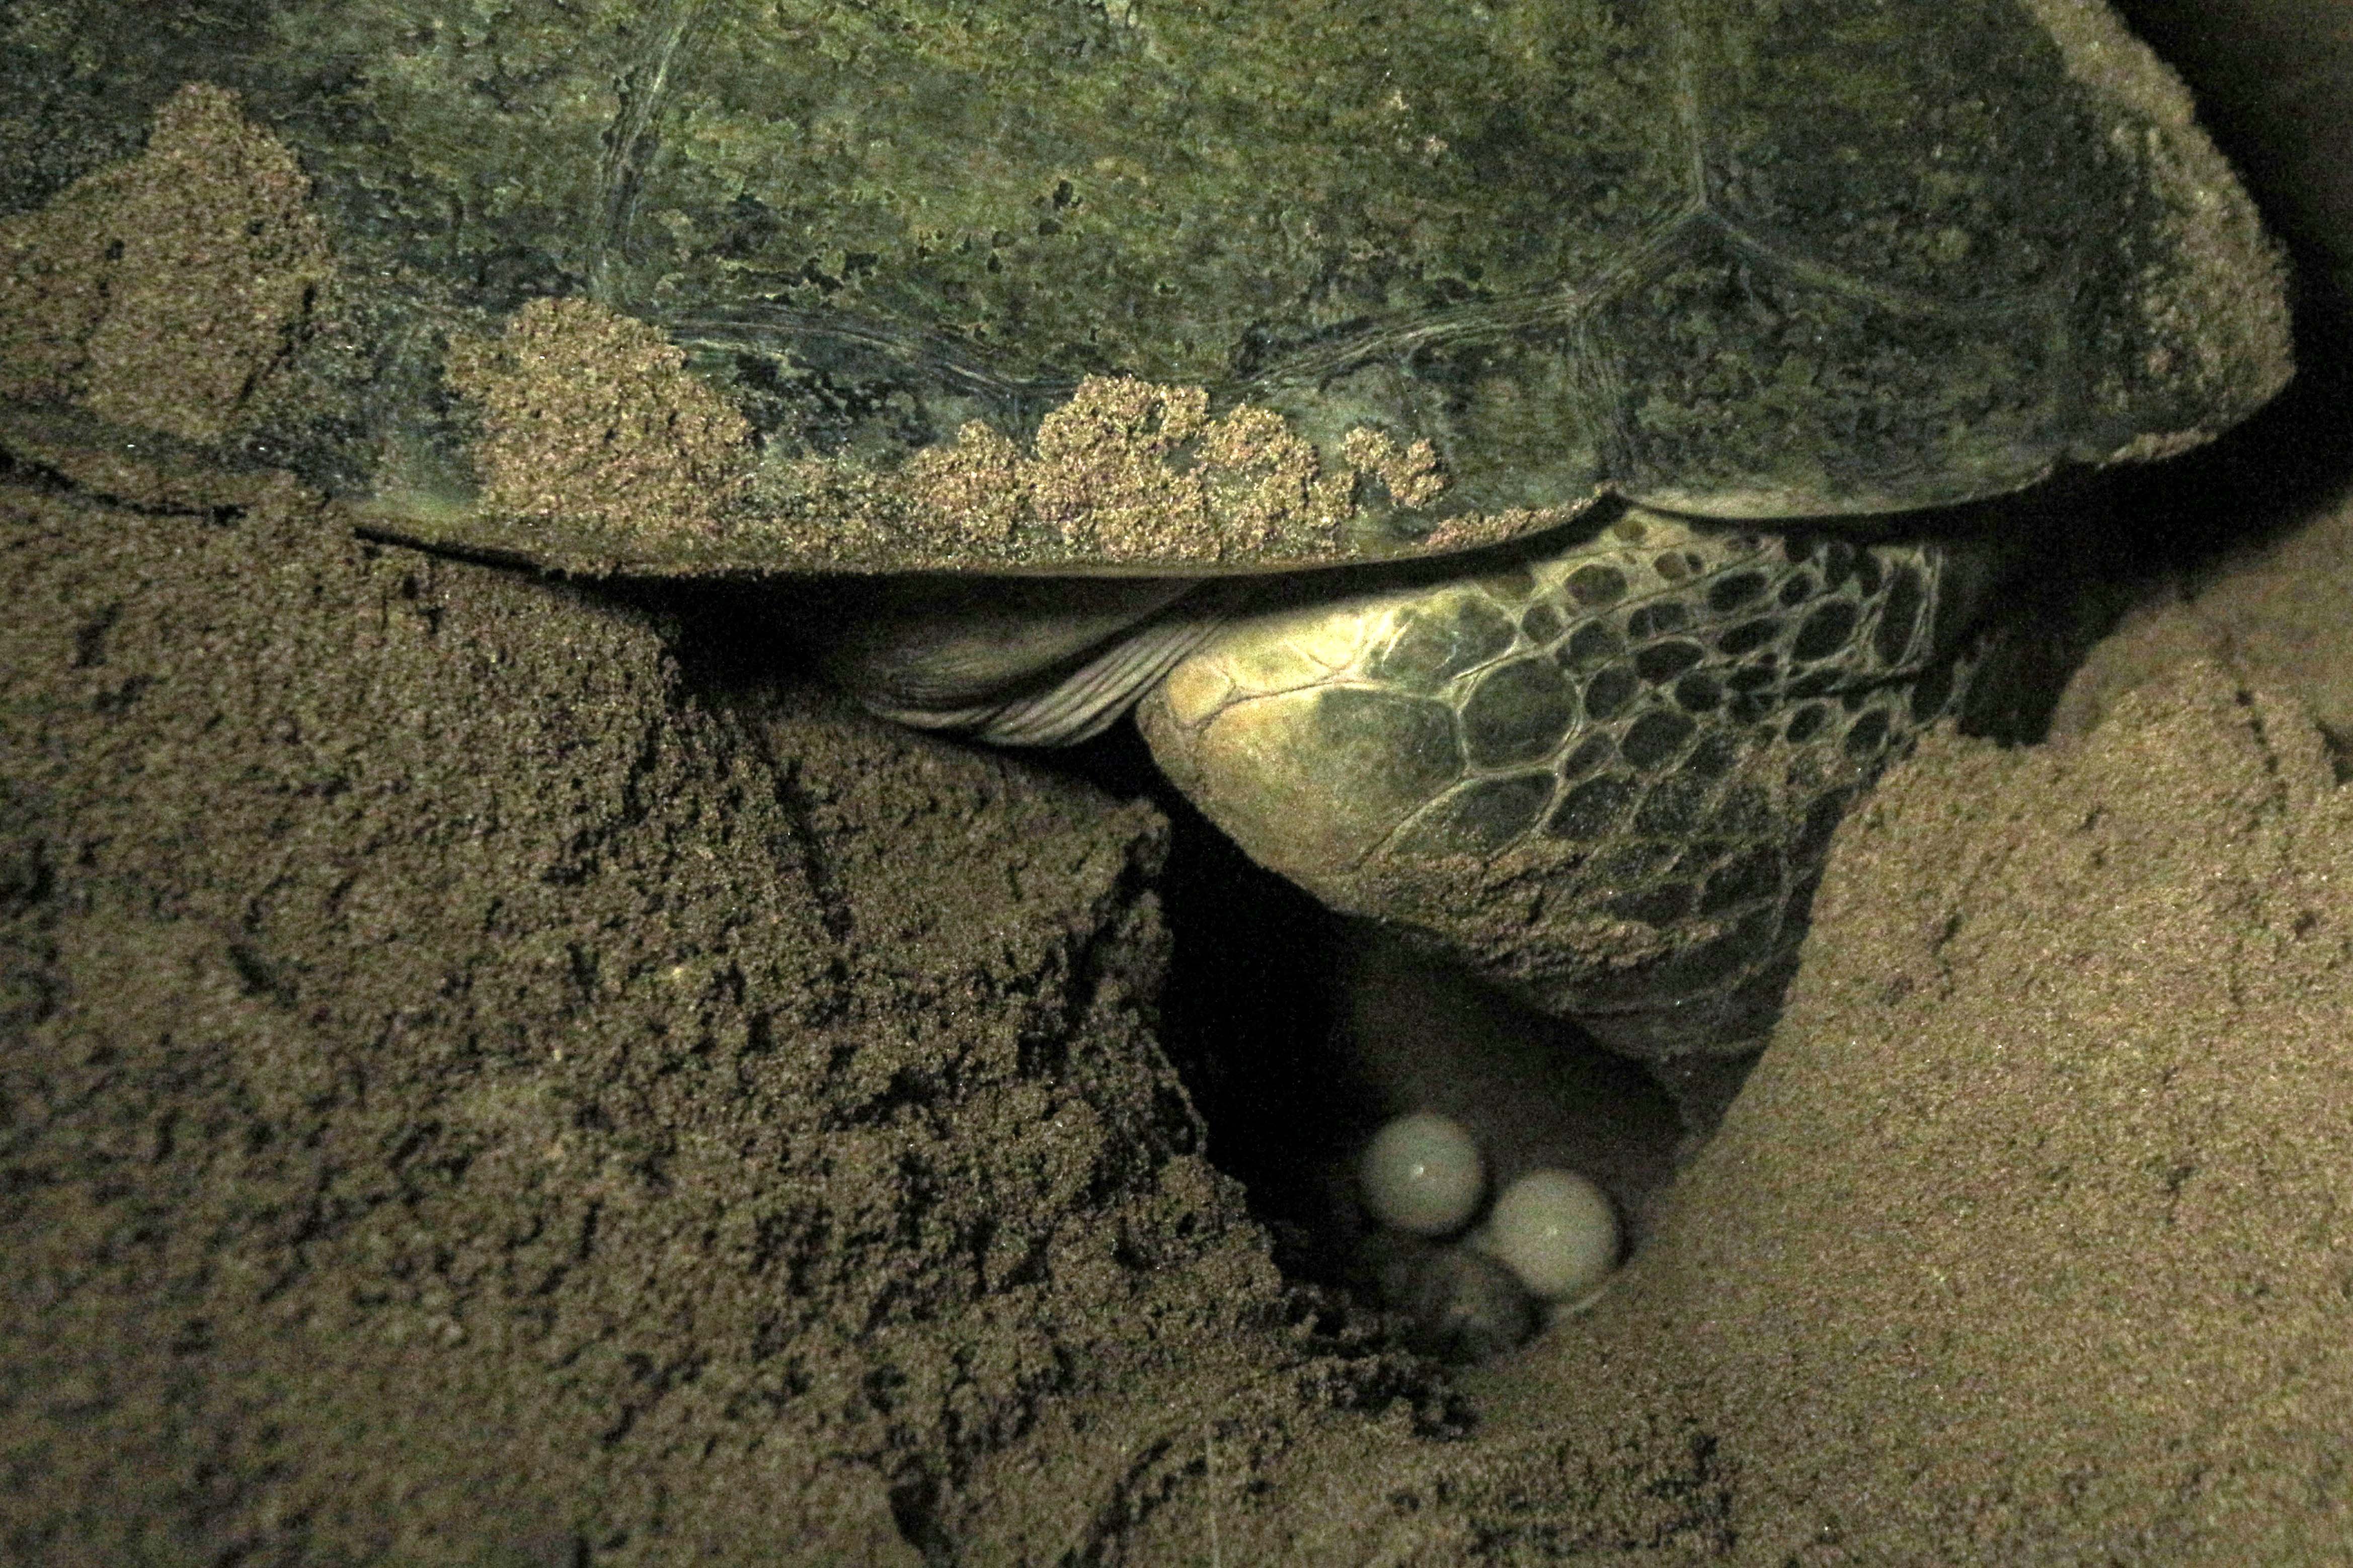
(466, 1098)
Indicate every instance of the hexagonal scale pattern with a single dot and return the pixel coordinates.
(1643, 741)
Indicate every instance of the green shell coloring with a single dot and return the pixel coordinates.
(1473, 266)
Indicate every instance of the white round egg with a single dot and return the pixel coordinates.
(1556, 1230)
(1423, 1174)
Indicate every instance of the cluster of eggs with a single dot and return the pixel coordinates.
(1549, 1240)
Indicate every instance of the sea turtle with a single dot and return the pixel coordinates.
(1531, 461)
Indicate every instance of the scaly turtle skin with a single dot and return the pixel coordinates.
(1605, 775)
(1479, 434)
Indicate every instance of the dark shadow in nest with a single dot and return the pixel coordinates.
(1254, 1015)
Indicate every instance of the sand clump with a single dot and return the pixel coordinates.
(1123, 473)
(590, 420)
(164, 293)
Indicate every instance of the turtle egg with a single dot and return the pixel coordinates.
(1459, 1306)
(1556, 1230)
(1423, 1174)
